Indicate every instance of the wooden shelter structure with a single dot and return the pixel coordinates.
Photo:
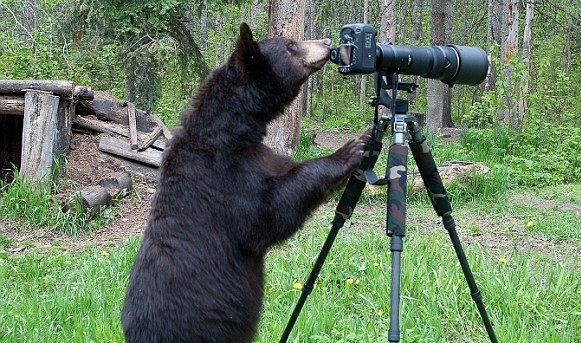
(35, 124)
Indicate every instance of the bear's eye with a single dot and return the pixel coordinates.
(291, 45)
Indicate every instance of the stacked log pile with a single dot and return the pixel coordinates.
(129, 132)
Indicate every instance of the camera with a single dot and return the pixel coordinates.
(358, 53)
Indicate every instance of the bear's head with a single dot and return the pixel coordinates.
(272, 71)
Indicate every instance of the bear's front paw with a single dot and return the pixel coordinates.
(351, 154)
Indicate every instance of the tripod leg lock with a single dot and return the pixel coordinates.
(396, 243)
(307, 289)
(449, 223)
(476, 296)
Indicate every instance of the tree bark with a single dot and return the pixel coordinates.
(286, 18)
(417, 30)
(439, 96)
(61, 88)
(387, 26)
(493, 38)
(526, 56)
(510, 51)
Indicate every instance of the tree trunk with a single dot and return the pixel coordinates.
(439, 96)
(493, 38)
(363, 84)
(417, 30)
(510, 50)
(286, 18)
(203, 24)
(29, 15)
(387, 30)
(526, 56)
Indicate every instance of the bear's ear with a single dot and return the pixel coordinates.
(247, 50)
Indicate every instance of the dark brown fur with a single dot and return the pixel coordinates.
(224, 199)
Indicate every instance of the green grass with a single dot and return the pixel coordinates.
(531, 297)
(38, 207)
(64, 297)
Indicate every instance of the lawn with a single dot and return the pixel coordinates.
(523, 248)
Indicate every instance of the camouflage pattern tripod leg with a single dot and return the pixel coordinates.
(396, 175)
(435, 188)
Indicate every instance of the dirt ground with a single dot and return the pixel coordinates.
(86, 165)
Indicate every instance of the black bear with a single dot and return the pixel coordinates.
(224, 198)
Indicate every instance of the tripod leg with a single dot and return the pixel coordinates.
(344, 210)
(395, 225)
(437, 192)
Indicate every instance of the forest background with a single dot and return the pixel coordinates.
(63, 275)
(155, 53)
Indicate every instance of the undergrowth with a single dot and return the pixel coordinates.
(35, 205)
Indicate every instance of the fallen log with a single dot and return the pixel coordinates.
(132, 125)
(151, 138)
(117, 184)
(108, 108)
(90, 199)
(12, 104)
(88, 123)
(451, 171)
(166, 132)
(118, 147)
(55, 87)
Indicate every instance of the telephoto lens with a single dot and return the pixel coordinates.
(451, 64)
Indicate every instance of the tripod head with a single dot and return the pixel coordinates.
(384, 82)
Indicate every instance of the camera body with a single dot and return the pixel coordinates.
(358, 53)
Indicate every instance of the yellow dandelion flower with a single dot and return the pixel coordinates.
(298, 285)
(530, 224)
(349, 281)
(376, 264)
(380, 312)
(502, 260)
(104, 253)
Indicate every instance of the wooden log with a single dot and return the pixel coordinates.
(12, 104)
(90, 199)
(56, 87)
(108, 108)
(151, 138)
(117, 182)
(96, 125)
(40, 135)
(117, 147)
(450, 172)
(132, 125)
(166, 132)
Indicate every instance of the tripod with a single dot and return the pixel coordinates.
(402, 125)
